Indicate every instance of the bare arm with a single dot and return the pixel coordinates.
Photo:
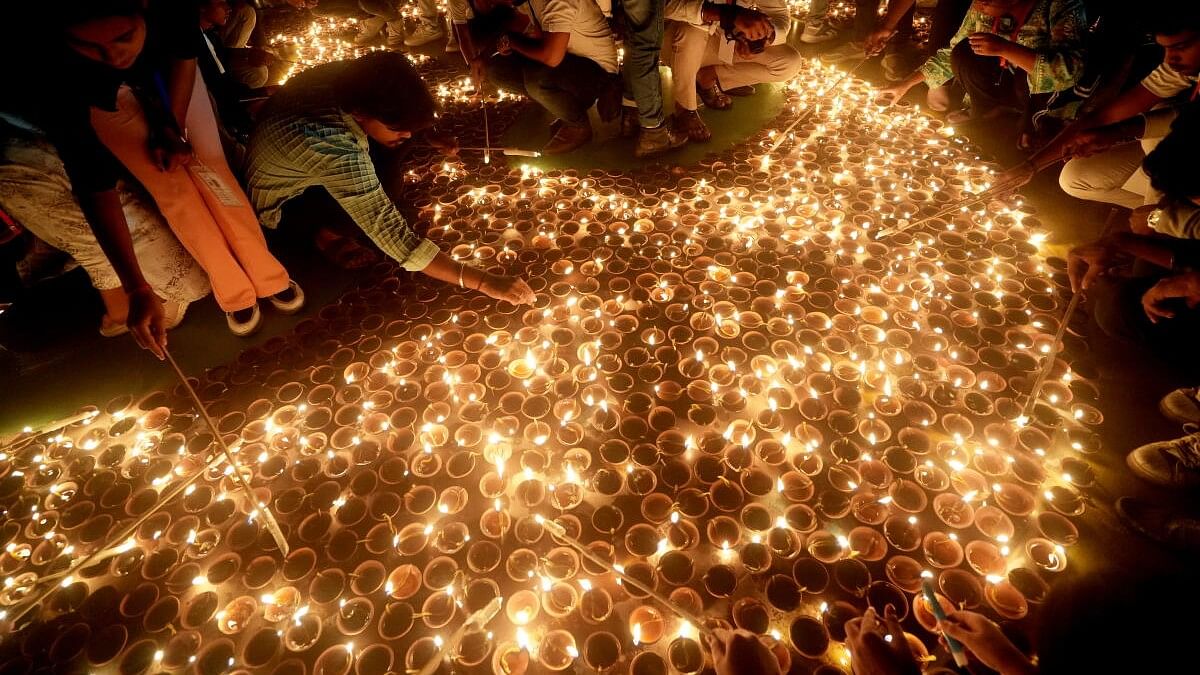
(107, 219)
(1124, 107)
(180, 81)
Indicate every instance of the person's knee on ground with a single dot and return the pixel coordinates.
(1090, 178)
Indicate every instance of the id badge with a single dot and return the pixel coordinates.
(215, 184)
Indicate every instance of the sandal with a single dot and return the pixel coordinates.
(713, 97)
(345, 252)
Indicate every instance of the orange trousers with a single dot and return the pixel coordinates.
(226, 240)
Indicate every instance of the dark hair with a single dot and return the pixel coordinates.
(1172, 165)
(385, 86)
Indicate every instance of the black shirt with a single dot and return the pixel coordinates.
(60, 93)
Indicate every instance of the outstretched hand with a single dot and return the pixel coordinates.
(740, 652)
(509, 289)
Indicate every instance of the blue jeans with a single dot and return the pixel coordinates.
(643, 41)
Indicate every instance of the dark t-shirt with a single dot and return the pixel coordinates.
(61, 92)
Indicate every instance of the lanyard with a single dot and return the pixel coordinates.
(213, 50)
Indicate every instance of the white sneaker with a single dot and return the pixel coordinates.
(244, 321)
(1181, 406)
(368, 30)
(294, 303)
(818, 32)
(424, 33)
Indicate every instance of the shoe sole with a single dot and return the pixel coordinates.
(1141, 472)
(1166, 412)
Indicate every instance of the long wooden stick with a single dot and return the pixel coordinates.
(262, 509)
(1050, 357)
(111, 546)
(807, 113)
(560, 532)
(478, 619)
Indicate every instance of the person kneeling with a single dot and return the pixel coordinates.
(717, 49)
(315, 133)
(560, 53)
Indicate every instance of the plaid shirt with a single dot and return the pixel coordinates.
(303, 140)
(1055, 30)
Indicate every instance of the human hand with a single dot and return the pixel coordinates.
(989, 44)
(504, 45)
(889, 96)
(1086, 262)
(1156, 301)
(146, 321)
(740, 652)
(879, 647)
(510, 289)
(170, 152)
(752, 24)
(1087, 143)
(443, 143)
(983, 639)
(877, 40)
(1018, 176)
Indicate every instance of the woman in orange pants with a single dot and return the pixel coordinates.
(122, 93)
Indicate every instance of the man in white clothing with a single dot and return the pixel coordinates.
(716, 49)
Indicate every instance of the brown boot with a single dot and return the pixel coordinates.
(711, 93)
(690, 123)
(568, 138)
(665, 136)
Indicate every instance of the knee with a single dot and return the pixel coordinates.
(963, 59)
(786, 62)
(1082, 179)
(245, 14)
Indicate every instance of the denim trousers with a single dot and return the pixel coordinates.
(643, 41)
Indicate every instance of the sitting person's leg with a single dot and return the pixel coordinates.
(35, 191)
(777, 63)
(686, 46)
(236, 32)
(567, 91)
(1114, 176)
(993, 90)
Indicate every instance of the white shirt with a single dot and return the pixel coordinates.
(1166, 82)
(691, 11)
(590, 38)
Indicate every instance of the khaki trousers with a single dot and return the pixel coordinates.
(227, 241)
(1114, 176)
(688, 48)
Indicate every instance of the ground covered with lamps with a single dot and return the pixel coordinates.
(731, 387)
